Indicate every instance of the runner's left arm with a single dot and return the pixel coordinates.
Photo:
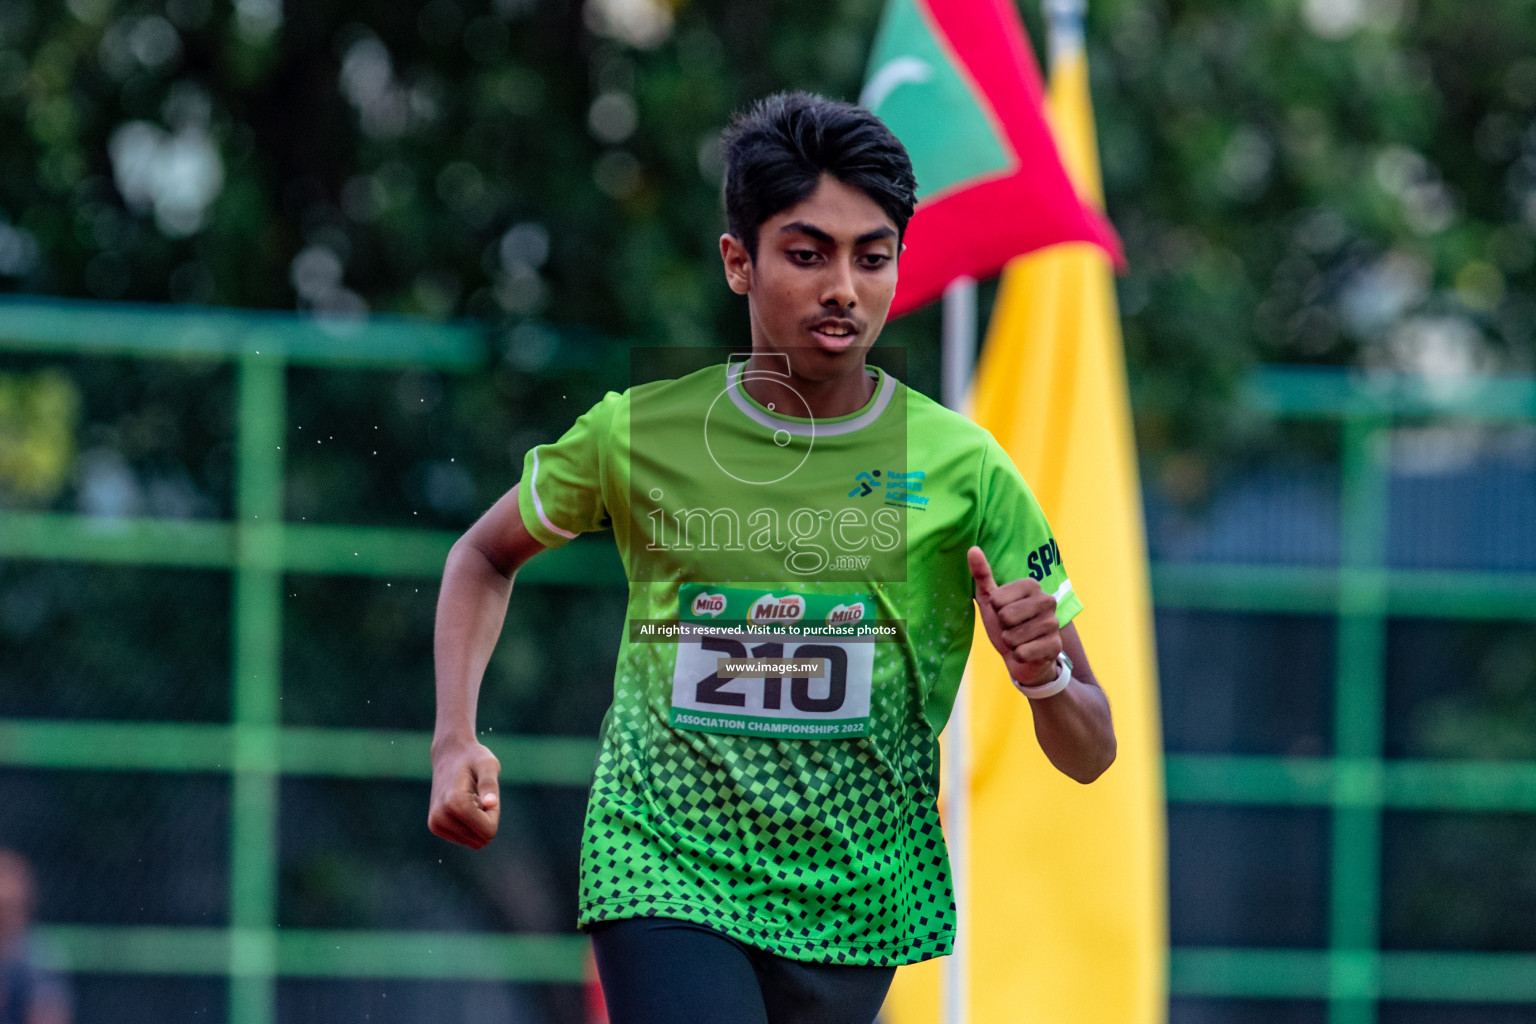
(1073, 727)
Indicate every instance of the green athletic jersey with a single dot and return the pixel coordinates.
(794, 812)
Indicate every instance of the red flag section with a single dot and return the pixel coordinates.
(957, 82)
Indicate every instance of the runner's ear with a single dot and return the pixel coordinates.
(738, 263)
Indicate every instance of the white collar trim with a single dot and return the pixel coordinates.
(883, 394)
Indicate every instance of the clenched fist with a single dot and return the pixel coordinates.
(466, 798)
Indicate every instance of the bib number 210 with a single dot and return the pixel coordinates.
(711, 689)
(719, 685)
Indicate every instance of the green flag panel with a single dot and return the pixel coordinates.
(918, 89)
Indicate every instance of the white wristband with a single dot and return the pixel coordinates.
(1061, 682)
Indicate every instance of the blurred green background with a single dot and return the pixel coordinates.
(287, 290)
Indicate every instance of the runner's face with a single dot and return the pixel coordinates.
(823, 280)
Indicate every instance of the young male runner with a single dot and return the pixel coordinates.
(804, 538)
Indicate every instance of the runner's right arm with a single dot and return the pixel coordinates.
(471, 607)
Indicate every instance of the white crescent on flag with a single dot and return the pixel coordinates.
(892, 75)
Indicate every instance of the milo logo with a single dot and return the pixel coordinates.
(709, 604)
(844, 613)
(777, 610)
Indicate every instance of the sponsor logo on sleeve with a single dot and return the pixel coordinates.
(1043, 559)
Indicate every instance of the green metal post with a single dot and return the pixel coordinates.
(256, 687)
(1355, 884)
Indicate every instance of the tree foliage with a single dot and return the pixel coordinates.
(1296, 180)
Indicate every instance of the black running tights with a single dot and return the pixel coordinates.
(661, 971)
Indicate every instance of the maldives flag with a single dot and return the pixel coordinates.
(957, 82)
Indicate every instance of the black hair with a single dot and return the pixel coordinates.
(777, 151)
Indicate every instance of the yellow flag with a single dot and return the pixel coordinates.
(1066, 919)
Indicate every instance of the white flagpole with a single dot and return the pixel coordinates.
(959, 340)
(1064, 28)
(1065, 20)
(959, 356)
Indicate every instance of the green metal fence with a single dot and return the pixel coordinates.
(255, 750)
(1357, 784)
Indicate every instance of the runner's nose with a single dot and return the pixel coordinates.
(838, 289)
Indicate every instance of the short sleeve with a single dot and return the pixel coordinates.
(1014, 533)
(561, 492)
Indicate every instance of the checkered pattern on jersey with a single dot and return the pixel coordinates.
(818, 850)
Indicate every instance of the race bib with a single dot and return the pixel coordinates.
(761, 663)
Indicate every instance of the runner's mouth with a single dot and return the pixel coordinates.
(835, 335)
